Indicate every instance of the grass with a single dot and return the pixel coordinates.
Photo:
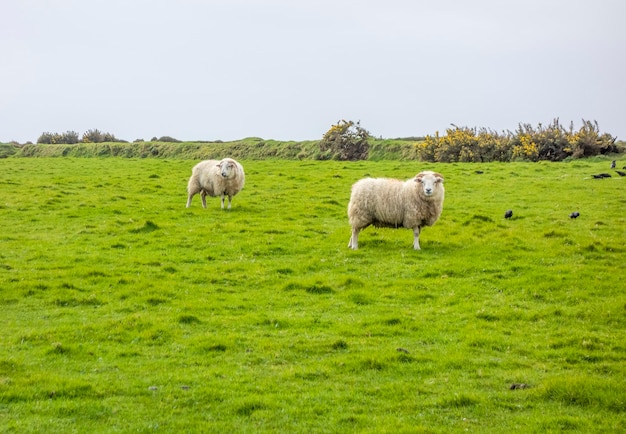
(125, 311)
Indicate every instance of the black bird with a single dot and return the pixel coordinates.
(598, 176)
(605, 175)
(508, 214)
(620, 173)
(613, 164)
(480, 172)
(574, 215)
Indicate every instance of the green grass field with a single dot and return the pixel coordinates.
(123, 311)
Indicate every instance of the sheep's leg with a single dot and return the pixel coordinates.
(416, 238)
(230, 200)
(203, 196)
(192, 190)
(354, 239)
(223, 195)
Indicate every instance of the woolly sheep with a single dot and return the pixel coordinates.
(384, 202)
(215, 178)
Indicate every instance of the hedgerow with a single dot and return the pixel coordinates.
(69, 137)
(72, 137)
(552, 143)
(348, 140)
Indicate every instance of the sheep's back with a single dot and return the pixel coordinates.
(376, 201)
(205, 172)
(204, 166)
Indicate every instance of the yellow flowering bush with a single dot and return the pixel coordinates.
(68, 137)
(526, 149)
(551, 142)
(463, 144)
(588, 141)
(346, 140)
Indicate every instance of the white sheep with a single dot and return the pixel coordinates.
(216, 178)
(384, 202)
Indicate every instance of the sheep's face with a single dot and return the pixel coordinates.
(430, 182)
(227, 168)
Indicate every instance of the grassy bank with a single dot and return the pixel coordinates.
(125, 311)
(252, 148)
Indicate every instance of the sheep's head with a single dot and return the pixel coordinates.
(430, 182)
(227, 167)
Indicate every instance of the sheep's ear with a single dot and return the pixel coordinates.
(418, 177)
(439, 177)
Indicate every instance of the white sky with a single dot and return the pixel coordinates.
(288, 70)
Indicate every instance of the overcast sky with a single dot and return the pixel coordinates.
(288, 70)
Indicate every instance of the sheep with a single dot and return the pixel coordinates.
(216, 178)
(385, 202)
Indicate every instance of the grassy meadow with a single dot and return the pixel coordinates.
(123, 311)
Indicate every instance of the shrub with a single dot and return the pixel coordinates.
(167, 139)
(96, 136)
(72, 137)
(588, 141)
(463, 144)
(92, 136)
(346, 141)
(551, 143)
(47, 138)
(69, 137)
(108, 137)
